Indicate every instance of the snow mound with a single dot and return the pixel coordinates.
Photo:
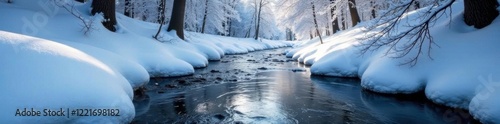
(42, 74)
(136, 75)
(60, 66)
(455, 77)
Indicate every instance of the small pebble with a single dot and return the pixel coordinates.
(262, 68)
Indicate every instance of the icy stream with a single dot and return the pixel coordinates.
(266, 87)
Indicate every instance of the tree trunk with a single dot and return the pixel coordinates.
(161, 12)
(327, 30)
(258, 21)
(107, 8)
(204, 17)
(129, 9)
(162, 18)
(335, 22)
(252, 21)
(373, 12)
(224, 23)
(288, 34)
(229, 23)
(335, 25)
(342, 20)
(230, 20)
(480, 13)
(177, 20)
(316, 23)
(311, 35)
(354, 12)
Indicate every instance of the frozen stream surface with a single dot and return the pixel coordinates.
(266, 87)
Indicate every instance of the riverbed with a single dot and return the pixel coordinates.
(267, 87)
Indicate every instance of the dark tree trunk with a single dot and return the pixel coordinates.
(335, 25)
(316, 23)
(342, 20)
(107, 8)
(204, 17)
(129, 9)
(354, 12)
(373, 12)
(258, 21)
(229, 23)
(335, 22)
(480, 13)
(177, 20)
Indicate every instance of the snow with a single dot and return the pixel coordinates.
(461, 74)
(42, 74)
(48, 61)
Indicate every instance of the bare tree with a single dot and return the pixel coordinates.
(316, 22)
(402, 42)
(373, 12)
(177, 20)
(86, 24)
(258, 20)
(204, 23)
(335, 22)
(342, 20)
(161, 11)
(129, 9)
(161, 19)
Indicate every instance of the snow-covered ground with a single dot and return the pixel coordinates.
(48, 63)
(463, 73)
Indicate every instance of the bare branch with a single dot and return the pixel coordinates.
(86, 24)
(413, 37)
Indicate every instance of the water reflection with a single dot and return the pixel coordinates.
(278, 95)
(413, 109)
(142, 105)
(180, 105)
(287, 97)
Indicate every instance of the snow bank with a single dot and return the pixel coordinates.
(136, 75)
(456, 77)
(231, 45)
(132, 41)
(42, 74)
(58, 66)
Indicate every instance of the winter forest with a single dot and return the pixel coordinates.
(249, 61)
